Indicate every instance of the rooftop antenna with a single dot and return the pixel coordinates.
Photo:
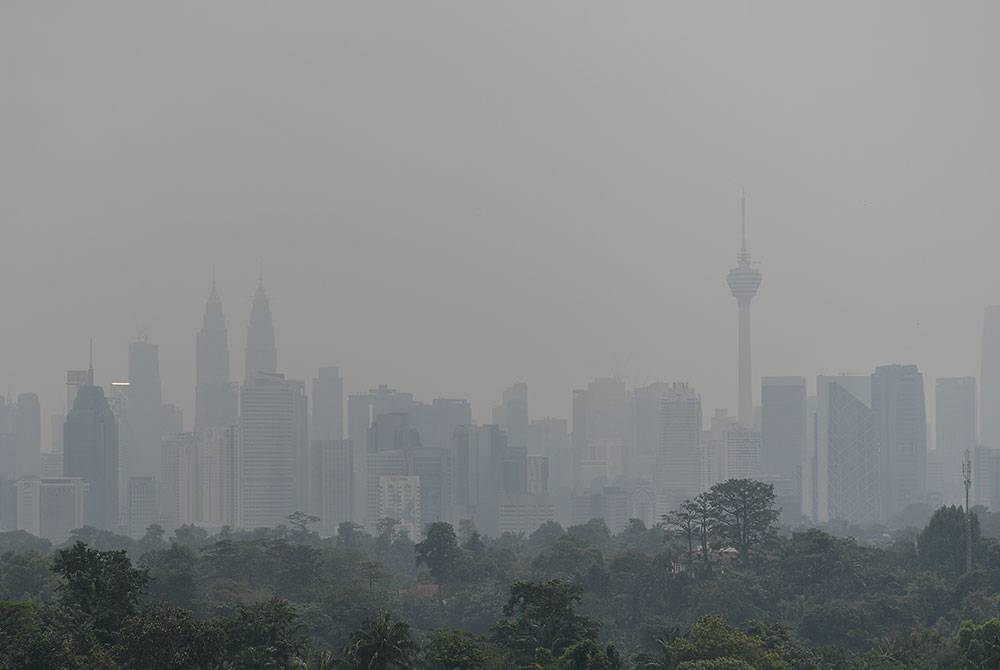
(260, 272)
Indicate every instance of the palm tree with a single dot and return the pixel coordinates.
(382, 644)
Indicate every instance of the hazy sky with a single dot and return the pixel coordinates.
(451, 196)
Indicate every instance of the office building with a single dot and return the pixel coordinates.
(784, 429)
(955, 424)
(90, 452)
(141, 503)
(333, 483)
(178, 495)
(268, 450)
(601, 432)
(218, 475)
(512, 414)
(679, 475)
(50, 507)
(328, 405)
(898, 403)
(399, 499)
(847, 460)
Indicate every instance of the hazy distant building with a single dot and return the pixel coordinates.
(218, 475)
(399, 499)
(215, 397)
(601, 431)
(333, 483)
(362, 409)
(261, 352)
(267, 463)
(646, 417)
(20, 437)
(90, 451)
(433, 466)
(512, 414)
(549, 437)
(179, 481)
(141, 503)
(537, 474)
(847, 463)
(50, 507)
(74, 380)
(955, 426)
(678, 468)
(145, 409)
(744, 281)
(898, 403)
(742, 452)
(524, 513)
(784, 429)
(328, 405)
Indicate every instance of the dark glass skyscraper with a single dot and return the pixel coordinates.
(90, 448)
(145, 398)
(215, 395)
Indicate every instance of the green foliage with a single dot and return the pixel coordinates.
(439, 551)
(941, 544)
(459, 650)
(542, 616)
(382, 644)
(102, 585)
(744, 513)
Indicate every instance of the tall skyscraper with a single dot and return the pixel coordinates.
(215, 394)
(267, 463)
(178, 482)
(328, 405)
(90, 446)
(145, 400)
(601, 431)
(955, 432)
(20, 437)
(744, 281)
(989, 408)
(783, 429)
(898, 403)
(261, 354)
(646, 417)
(847, 462)
(512, 414)
(678, 468)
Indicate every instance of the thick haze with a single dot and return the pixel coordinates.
(450, 197)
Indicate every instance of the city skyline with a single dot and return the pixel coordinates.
(587, 213)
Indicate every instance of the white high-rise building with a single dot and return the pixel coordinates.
(50, 507)
(399, 499)
(218, 475)
(178, 481)
(270, 405)
(679, 475)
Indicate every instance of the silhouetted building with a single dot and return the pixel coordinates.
(90, 445)
(333, 483)
(145, 411)
(218, 475)
(328, 405)
(783, 430)
(215, 397)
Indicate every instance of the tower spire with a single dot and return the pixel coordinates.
(260, 271)
(90, 370)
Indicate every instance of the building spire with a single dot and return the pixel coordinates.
(90, 370)
(260, 271)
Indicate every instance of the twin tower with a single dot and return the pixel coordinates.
(215, 393)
